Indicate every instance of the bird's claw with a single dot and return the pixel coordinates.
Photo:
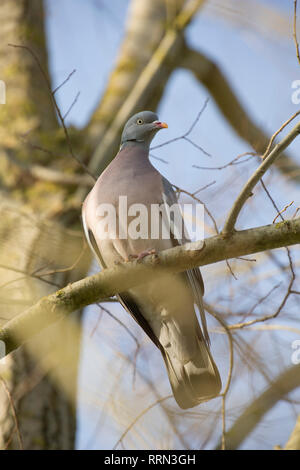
(117, 262)
(142, 255)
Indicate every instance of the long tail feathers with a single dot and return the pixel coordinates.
(195, 381)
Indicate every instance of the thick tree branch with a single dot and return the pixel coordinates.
(152, 72)
(28, 106)
(118, 279)
(209, 74)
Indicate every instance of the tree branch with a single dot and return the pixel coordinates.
(121, 278)
(209, 74)
(284, 384)
(144, 83)
(295, 31)
(52, 175)
(256, 177)
(294, 441)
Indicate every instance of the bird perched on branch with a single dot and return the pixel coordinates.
(164, 307)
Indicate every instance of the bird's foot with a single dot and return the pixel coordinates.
(142, 254)
(117, 262)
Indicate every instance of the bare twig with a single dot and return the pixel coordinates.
(278, 132)
(138, 345)
(71, 106)
(230, 269)
(13, 409)
(296, 212)
(278, 310)
(251, 416)
(157, 402)
(295, 31)
(64, 82)
(262, 299)
(103, 309)
(235, 161)
(193, 196)
(102, 154)
(40, 276)
(185, 136)
(263, 327)
(293, 275)
(204, 187)
(256, 177)
(158, 158)
(69, 268)
(282, 304)
(208, 74)
(282, 211)
(27, 274)
(230, 371)
(7, 444)
(52, 93)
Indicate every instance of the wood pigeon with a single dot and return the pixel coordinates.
(164, 307)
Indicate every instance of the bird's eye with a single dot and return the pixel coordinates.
(140, 121)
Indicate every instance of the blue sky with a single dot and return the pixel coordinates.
(85, 36)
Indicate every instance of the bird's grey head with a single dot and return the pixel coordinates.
(141, 128)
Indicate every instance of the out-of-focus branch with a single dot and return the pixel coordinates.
(121, 278)
(248, 420)
(139, 416)
(28, 238)
(28, 106)
(209, 74)
(57, 108)
(21, 445)
(259, 18)
(135, 52)
(256, 177)
(51, 175)
(150, 75)
(54, 176)
(294, 441)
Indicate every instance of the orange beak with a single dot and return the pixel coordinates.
(161, 125)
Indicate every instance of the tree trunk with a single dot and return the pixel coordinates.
(38, 383)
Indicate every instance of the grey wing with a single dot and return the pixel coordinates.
(123, 297)
(133, 309)
(193, 276)
(92, 242)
